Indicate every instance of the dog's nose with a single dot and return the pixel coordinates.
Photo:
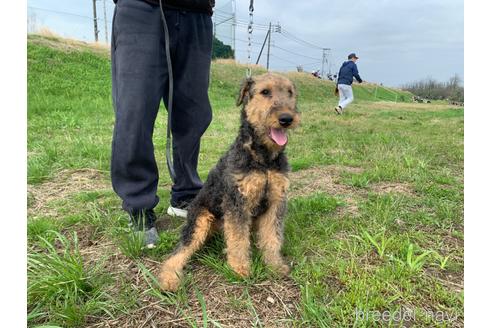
(285, 120)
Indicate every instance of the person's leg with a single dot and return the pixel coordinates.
(348, 94)
(138, 75)
(341, 91)
(192, 114)
(342, 97)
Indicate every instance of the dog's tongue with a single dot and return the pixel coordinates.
(279, 136)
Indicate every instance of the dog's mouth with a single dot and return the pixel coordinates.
(279, 136)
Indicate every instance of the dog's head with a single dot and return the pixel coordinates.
(270, 106)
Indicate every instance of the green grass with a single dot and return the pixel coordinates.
(387, 236)
(60, 286)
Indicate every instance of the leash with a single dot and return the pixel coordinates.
(169, 158)
(250, 32)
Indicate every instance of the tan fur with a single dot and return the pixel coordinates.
(172, 268)
(252, 187)
(258, 109)
(237, 239)
(270, 237)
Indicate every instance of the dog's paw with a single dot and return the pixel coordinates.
(279, 267)
(169, 280)
(277, 264)
(283, 269)
(241, 270)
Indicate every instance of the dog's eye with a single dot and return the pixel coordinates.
(291, 93)
(265, 92)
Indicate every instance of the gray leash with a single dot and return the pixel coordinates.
(250, 32)
(169, 159)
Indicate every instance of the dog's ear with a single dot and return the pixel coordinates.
(244, 93)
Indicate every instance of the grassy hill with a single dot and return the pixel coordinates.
(70, 83)
(375, 212)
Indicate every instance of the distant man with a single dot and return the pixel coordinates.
(344, 83)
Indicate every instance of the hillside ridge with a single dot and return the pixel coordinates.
(226, 74)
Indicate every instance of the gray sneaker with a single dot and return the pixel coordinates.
(151, 237)
(144, 221)
(339, 110)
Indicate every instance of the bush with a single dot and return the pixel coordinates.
(221, 50)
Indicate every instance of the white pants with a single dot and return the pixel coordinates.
(346, 95)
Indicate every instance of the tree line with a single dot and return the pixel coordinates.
(429, 88)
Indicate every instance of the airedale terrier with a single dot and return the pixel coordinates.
(246, 190)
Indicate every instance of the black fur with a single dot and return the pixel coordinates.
(220, 192)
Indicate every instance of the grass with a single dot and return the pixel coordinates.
(379, 228)
(61, 287)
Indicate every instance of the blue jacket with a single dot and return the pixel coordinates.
(347, 73)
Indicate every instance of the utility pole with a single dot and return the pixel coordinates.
(268, 49)
(233, 26)
(323, 61)
(263, 46)
(105, 22)
(329, 61)
(96, 32)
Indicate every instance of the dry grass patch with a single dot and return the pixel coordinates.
(52, 40)
(326, 179)
(321, 179)
(392, 187)
(65, 184)
(229, 304)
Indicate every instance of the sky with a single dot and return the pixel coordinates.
(397, 41)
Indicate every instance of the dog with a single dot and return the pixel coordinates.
(246, 190)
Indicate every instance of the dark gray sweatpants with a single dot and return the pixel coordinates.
(140, 81)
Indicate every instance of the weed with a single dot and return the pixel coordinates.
(416, 262)
(61, 288)
(378, 241)
(131, 243)
(442, 260)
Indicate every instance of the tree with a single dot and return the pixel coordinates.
(221, 50)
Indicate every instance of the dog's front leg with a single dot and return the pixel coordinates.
(269, 228)
(237, 236)
(193, 237)
(270, 225)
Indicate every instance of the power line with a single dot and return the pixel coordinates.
(311, 64)
(285, 60)
(245, 41)
(61, 12)
(293, 53)
(240, 22)
(226, 14)
(292, 37)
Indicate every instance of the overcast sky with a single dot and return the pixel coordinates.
(397, 41)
